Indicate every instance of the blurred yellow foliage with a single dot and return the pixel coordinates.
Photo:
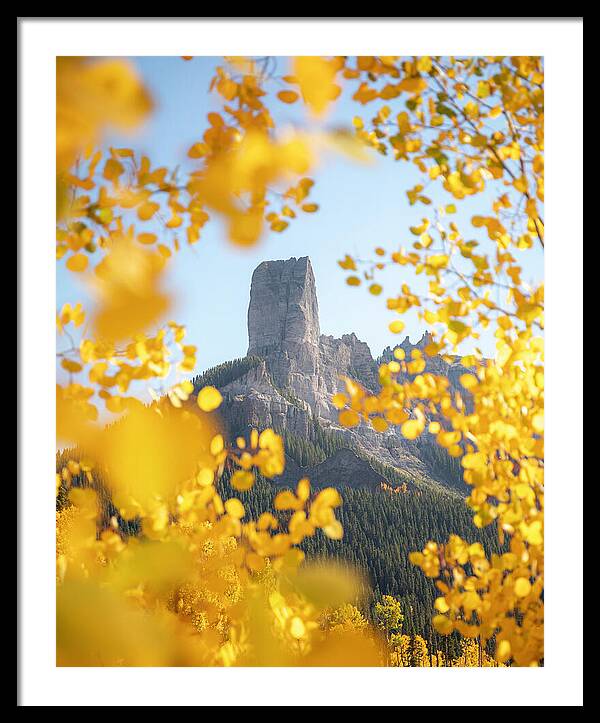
(91, 96)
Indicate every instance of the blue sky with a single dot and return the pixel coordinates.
(361, 207)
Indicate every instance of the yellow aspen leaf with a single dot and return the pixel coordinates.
(438, 261)
(71, 366)
(533, 533)
(528, 312)
(537, 422)
(469, 381)
(315, 76)
(458, 327)
(334, 530)
(531, 209)
(235, 508)
(416, 558)
(479, 140)
(349, 418)
(147, 238)
(522, 587)
(255, 562)
(303, 489)
(123, 152)
(418, 230)
(396, 327)
(228, 88)
(365, 62)
(147, 210)
(353, 281)
(68, 314)
(413, 85)
(424, 64)
(347, 263)
(503, 651)
(242, 480)
(441, 605)
(447, 439)
(365, 94)
(112, 170)
(396, 415)
(411, 429)
(328, 497)
(287, 500)
(310, 207)
(388, 92)
(442, 624)
(217, 444)
(375, 289)
(279, 225)
(474, 460)
(483, 89)
(288, 96)
(520, 184)
(379, 424)
(198, 150)
(339, 400)
(77, 263)
(209, 399)
(205, 477)
(174, 222)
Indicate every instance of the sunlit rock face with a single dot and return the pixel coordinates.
(283, 309)
(300, 369)
(283, 328)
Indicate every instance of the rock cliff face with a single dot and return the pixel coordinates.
(283, 309)
(299, 371)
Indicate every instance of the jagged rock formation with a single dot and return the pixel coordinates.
(298, 370)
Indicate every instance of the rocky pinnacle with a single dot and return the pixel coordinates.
(283, 306)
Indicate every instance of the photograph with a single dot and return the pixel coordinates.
(295, 316)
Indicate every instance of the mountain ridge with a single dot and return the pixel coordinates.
(291, 371)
